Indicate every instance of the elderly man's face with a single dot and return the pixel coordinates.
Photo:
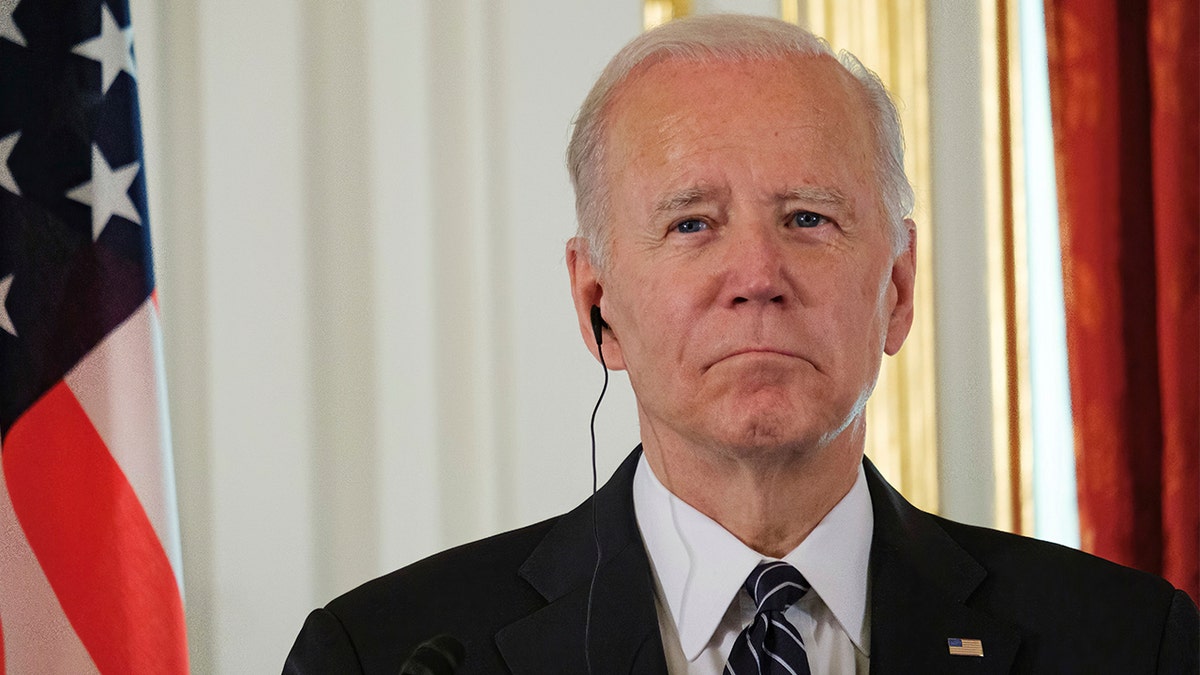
(752, 287)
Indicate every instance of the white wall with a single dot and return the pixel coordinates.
(965, 466)
(359, 211)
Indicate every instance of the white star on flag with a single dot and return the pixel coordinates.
(6, 147)
(8, 29)
(5, 320)
(107, 192)
(113, 48)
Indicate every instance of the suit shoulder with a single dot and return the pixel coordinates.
(479, 564)
(1001, 551)
(1042, 582)
(467, 592)
(1063, 601)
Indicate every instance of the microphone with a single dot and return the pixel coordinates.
(439, 655)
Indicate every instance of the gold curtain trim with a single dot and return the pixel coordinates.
(1008, 293)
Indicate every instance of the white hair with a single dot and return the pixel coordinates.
(723, 37)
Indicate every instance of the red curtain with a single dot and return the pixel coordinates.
(1125, 99)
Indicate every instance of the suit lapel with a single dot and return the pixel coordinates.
(920, 582)
(624, 635)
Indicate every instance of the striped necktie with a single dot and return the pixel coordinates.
(771, 645)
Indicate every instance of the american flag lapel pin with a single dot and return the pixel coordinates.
(965, 647)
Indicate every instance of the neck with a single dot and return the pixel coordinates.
(770, 499)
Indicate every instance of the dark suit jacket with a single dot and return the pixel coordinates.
(517, 601)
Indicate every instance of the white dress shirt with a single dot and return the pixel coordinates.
(699, 568)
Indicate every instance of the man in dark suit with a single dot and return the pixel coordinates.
(744, 254)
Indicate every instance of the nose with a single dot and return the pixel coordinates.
(755, 267)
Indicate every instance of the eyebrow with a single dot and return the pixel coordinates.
(682, 199)
(819, 195)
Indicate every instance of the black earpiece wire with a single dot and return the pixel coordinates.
(598, 330)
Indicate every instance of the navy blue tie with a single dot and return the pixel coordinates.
(771, 645)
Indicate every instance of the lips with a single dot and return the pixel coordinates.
(765, 352)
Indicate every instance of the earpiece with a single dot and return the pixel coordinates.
(598, 324)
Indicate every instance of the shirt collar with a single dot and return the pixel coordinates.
(700, 566)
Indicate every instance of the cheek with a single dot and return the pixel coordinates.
(661, 321)
(856, 311)
(878, 301)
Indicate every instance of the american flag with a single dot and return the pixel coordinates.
(89, 542)
(965, 647)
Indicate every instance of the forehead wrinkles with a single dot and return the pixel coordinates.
(651, 102)
(659, 105)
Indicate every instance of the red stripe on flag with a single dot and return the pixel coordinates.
(93, 540)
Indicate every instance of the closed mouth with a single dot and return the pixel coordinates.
(764, 351)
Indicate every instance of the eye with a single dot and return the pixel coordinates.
(806, 219)
(691, 225)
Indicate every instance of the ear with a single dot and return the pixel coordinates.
(904, 271)
(587, 291)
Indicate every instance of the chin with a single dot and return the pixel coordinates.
(781, 430)
(767, 435)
